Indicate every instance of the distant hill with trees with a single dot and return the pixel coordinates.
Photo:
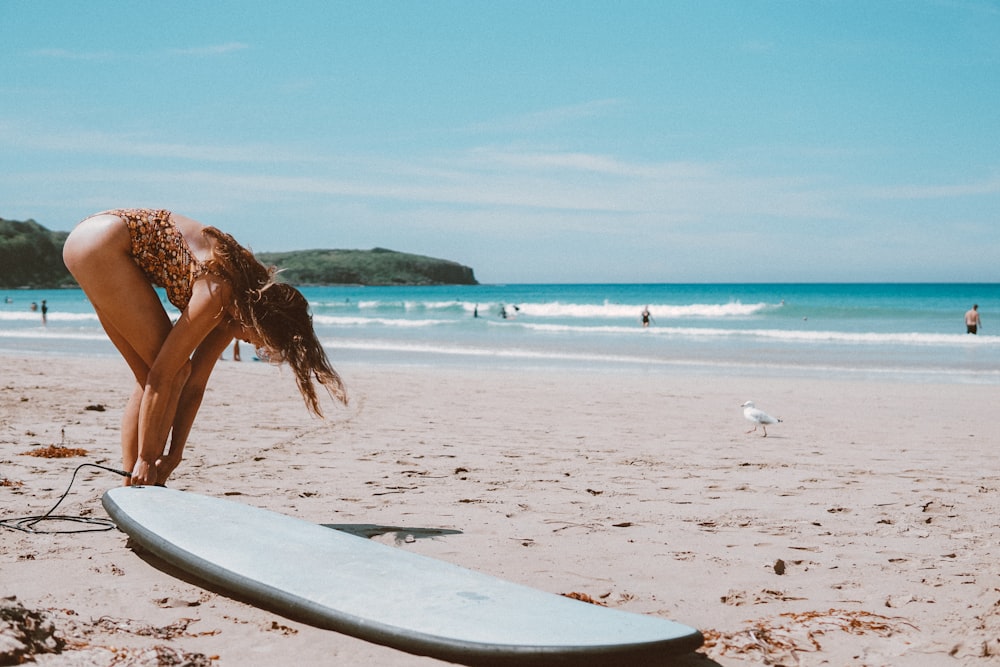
(31, 257)
(366, 267)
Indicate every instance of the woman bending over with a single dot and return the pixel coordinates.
(223, 293)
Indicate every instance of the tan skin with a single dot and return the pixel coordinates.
(171, 362)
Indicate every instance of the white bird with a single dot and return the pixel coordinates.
(758, 417)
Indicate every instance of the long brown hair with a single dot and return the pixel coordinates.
(279, 314)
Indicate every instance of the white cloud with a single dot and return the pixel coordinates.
(548, 118)
(211, 50)
(105, 143)
(66, 54)
(195, 51)
(989, 186)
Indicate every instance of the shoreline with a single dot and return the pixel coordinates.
(873, 496)
(368, 356)
(867, 333)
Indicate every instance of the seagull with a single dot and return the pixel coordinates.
(758, 417)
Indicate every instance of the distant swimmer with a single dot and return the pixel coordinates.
(645, 317)
(972, 321)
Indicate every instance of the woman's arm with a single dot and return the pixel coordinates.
(202, 364)
(170, 373)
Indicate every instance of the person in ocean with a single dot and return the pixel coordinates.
(223, 293)
(645, 317)
(972, 322)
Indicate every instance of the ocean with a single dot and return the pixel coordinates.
(901, 332)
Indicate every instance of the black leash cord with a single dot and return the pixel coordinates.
(27, 524)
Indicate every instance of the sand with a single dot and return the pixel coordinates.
(862, 531)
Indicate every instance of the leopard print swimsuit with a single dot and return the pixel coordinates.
(159, 249)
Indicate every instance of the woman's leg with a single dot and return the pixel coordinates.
(130, 430)
(97, 254)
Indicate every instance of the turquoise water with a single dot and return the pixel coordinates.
(911, 332)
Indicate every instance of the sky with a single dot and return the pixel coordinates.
(537, 142)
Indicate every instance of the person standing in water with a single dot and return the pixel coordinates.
(972, 321)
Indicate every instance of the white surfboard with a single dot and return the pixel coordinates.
(383, 594)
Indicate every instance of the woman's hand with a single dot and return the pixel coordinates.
(165, 465)
(144, 473)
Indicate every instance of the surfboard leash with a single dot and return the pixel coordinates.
(27, 524)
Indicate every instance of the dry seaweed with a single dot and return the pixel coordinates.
(25, 633)
(171, 631)
(781, 639)
(56, 452)
(583, 597)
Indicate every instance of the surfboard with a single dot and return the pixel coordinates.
(383, 594)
